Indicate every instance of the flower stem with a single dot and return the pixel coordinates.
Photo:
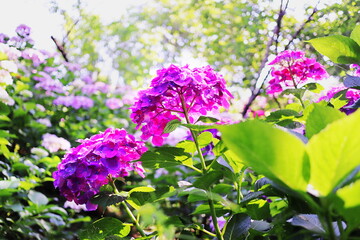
(131, 215)
(213, 215)
(204, 169)
(127, 209)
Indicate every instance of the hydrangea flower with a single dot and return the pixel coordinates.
(54, 143)
(292, 68)
(114, 103)
(178, 93)
(23, 31)
(5, 97)
(87, 167)
(3, 38)
(76, 102)
(352, 95)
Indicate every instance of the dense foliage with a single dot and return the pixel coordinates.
(186, 168)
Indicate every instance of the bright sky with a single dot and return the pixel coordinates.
(36, 14)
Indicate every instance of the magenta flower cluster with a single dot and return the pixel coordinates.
(87, 167)
(291, 69)
(178, 93)
(352, 95)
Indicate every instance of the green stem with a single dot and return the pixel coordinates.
(329, 226)
(238, 184)
(204, 169)
(127, 209)
(213, 215)
(131, 215)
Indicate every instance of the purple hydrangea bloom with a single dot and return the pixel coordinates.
(292, 68)
(87, 167)
(76, 102)
(3, 38)
(114, 103)
(23, 31)
(173, 91)
(352, 95)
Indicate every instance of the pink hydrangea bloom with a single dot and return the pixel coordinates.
(291, 69)
(54, 143)
(87, 167)
(173, 91)
(114, 103)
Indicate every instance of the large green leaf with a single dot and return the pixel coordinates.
(355, 34)
(338, 48)
(165, 157)
(238, 227)
(278, 155)
(320, 117)
(334, 153)
(349, 206)
(105, 227)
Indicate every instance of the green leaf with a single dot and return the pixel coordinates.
(278, 155)
(171, 126)
(334, 153)
(320, 117)
(281, 115)
(349, 206)
(4, 109)
(105, 199)
(205, 181)
(339, 49)
(198, 128)
(38, 198)
(165, 157)
(339, 99)
(204, 139)
(206, 119)
(313, 87)
(233, 160)
(141, 189)
(187, 145)
(237, 227)
(355, 34)
(103, 228)
(298, 92)
(205, 209)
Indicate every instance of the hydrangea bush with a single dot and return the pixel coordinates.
(288, 173)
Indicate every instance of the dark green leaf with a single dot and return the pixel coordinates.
(105, 199)
(165, 157)
(281, 115)
(171, 126)
(206, 119)
(238, 227)
(198, 128)
(103, 228)
(205, 181)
